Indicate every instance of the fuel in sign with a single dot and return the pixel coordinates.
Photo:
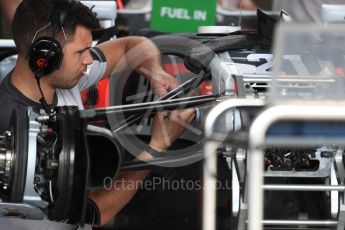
(182, 15)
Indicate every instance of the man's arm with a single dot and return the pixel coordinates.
(247, 5)
(141, 55)
(165, 130)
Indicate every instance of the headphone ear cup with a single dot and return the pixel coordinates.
(45, 56)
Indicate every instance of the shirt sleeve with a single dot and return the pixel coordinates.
(95, 71)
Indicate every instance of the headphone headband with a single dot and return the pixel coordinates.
(60, 12)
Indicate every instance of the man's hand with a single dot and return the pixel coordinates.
(162, 83)
(167, 127)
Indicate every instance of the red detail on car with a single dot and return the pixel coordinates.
(174, 69)
(340, 71)
(205, 88)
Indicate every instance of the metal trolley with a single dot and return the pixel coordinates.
(302, 116)
(247, 203)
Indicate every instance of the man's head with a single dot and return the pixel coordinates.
(33, 15)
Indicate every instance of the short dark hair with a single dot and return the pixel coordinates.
(32, 15)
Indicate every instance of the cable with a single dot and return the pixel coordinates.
(51, 191)
(42, 100)
(56, 140)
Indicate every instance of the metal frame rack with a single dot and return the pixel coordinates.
(247, 171)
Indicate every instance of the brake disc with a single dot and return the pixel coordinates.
(73, 174)
(13, 158)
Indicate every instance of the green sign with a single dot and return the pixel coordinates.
(182, 15)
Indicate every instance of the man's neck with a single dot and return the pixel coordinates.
(24, 80)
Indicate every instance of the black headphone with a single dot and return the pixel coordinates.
(45, 54)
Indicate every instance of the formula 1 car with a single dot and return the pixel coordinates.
(43, 157)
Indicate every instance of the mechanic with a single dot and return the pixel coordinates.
(62, 86)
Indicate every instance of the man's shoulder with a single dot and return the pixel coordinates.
(6, 98)
(9, 97)
(10, 100)
(97, 54)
